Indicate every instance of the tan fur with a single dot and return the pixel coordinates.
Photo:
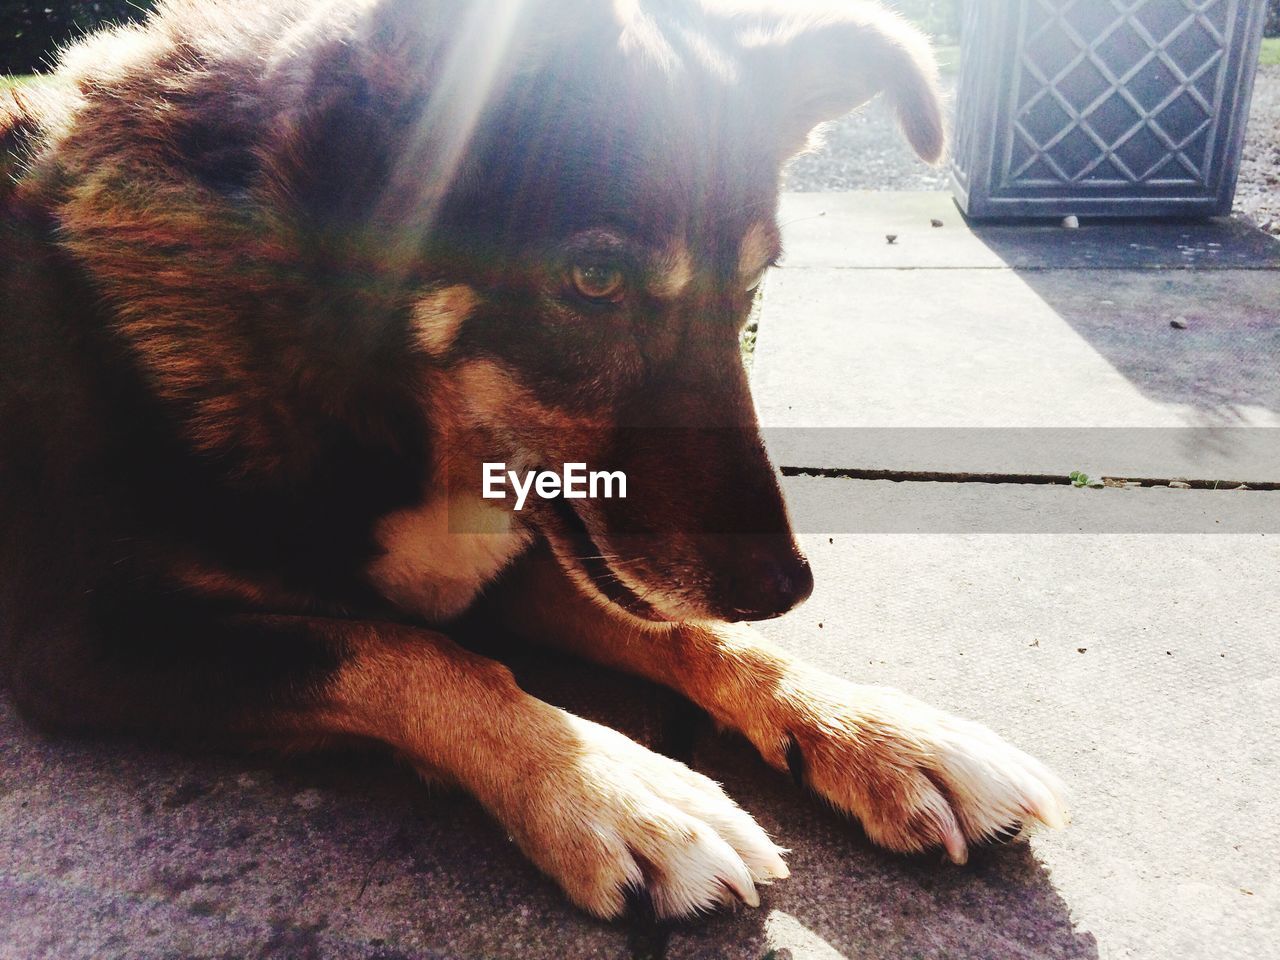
(586, 804)
(491, 393)
(756, 250)
(438, 556)
(673, 272)
(205, 579)
(439, 315)
(163, 305)
(492, 396)
(177, 266)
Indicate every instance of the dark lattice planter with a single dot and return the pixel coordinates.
(1103, 108)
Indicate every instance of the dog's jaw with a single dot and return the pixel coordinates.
(599, 576)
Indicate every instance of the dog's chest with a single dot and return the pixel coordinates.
(438, 556)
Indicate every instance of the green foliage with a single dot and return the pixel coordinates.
(941, 18)
(1270, 52)
(32, 30)
(1079, 479)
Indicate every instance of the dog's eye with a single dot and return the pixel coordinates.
(601, 284)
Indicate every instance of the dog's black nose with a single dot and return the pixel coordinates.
(771, 582)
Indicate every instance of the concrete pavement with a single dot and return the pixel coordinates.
(1142, 668)
(1037, 350)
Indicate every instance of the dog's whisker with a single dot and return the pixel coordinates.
(612, 558)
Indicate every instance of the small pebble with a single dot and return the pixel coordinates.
(308, 799)
(935, 222)
(1179, 485)
(1081, 649)
(891, 238)
(1071, 223)
(1178, 323)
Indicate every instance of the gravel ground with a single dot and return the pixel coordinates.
(1258, 195)
(866, 152)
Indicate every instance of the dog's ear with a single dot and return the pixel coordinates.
(818, 64)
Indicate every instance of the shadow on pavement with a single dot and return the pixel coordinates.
(846, 898)
(112, 849)
(1195, 322)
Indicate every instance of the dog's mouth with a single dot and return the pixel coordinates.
(578, 550)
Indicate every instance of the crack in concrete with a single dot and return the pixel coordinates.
(1196, 266)
(1042, 479)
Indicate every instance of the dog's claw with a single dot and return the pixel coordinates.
(1043, 806)
(745, 893)
(1007, 834)
(773, 868)
(954, 843)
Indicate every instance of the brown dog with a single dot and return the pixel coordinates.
(278, 279)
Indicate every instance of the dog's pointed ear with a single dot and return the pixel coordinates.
(818, 65)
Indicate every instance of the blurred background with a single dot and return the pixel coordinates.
(31, 30)
(862, 152)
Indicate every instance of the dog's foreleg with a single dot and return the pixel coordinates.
(597, 812)
(916, 777)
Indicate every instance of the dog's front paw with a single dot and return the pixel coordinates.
(916, 777)
(615, 821)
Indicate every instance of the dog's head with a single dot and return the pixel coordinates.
(610, 211)
(544, 220)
